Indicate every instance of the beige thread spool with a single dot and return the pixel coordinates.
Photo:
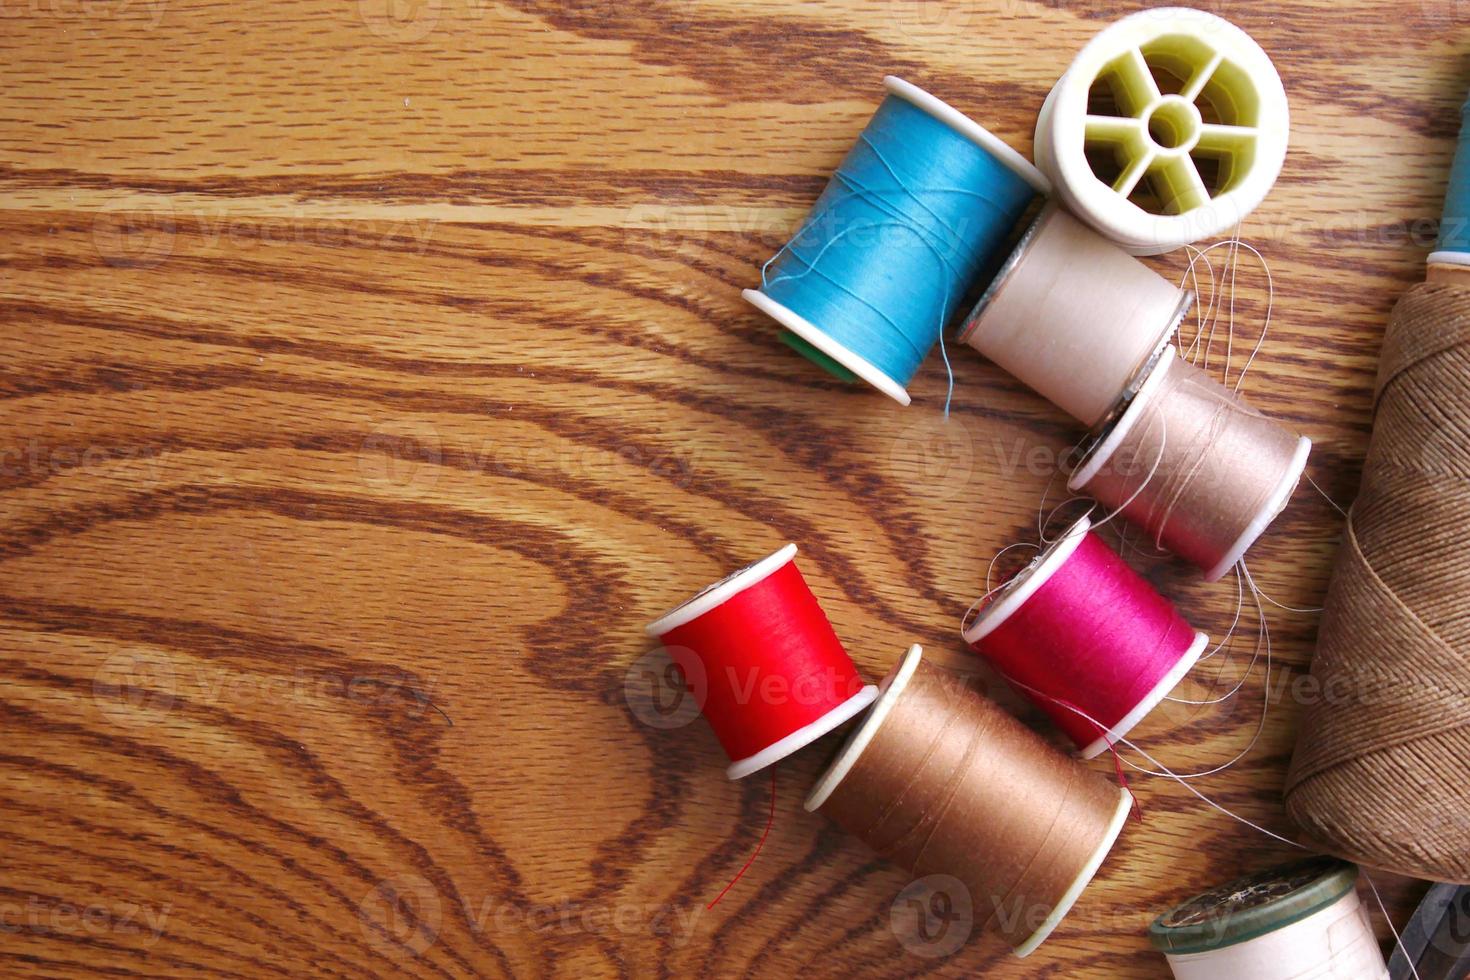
(1191, 463)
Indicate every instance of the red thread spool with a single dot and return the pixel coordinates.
(769, 673)
(1086, 638)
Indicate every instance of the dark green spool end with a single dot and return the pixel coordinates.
(1253, 906)
(821, 360)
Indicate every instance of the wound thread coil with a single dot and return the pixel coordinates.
(763, 662)
(1074, 317)
(1086, 638)
(1381, 773)
(1194, 465)
(940, 780)
(921, 205)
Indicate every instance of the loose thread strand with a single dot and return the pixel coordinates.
(770, 820)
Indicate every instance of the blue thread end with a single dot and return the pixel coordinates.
(1454, 225)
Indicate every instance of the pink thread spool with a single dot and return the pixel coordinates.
(1086, 638)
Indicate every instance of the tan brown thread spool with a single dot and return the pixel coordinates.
(1381, 773)
(1194, 465)
(942, 781)
(1074, 317)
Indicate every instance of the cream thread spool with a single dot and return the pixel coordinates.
(1170, 126)
(1074, 317)
(1302, 921)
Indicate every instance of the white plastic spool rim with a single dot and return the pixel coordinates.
(1335, 942)
(857, 743)
(1150, 701)
(1019, 590)
(1102, 451)
(1083, 879)
(1448, 258)
(889, 692)
(822, 341)
(803, 736)
(1014, 594)
(721, 592)
(968, 127)
(1160, 136)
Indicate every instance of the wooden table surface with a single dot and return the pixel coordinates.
(374, 371)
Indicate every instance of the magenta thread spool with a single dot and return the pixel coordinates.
(1086, 638)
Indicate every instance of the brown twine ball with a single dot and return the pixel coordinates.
(1381, 773)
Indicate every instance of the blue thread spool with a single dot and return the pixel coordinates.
(918, 209)
(1453, 247)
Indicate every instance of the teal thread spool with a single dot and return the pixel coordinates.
(918, 209)
(1453, 247)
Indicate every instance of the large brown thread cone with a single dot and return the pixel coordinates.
(1381, 773)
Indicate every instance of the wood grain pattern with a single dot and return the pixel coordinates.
(374, 372)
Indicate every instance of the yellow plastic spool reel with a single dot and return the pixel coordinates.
(1169, 127)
